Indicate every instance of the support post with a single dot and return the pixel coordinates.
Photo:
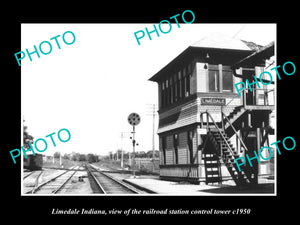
(133, 148)
(201, 119)
(222, 118)
(244, 97)
(258, 139)
(249, 119)
(207, 119)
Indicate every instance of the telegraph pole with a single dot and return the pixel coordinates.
(153, 139)
(121, 149)
(123, 135)
(153, 114)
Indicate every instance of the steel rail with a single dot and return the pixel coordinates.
(36, 188)
(119, 182)
(61, 186)
(27, 175)
(95, 179)
(123, 185)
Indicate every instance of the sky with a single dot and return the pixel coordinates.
(91, 86)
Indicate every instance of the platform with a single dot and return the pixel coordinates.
(157, 186)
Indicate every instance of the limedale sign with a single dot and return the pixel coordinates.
(213, 101)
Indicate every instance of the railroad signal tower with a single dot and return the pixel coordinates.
(133, 119)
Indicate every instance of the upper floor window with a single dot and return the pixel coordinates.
(227, 78)
(220, 79)
(176, 86)
(213, 81)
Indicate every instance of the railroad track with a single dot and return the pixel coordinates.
(53, 185)
(104, 184)
(39, 172)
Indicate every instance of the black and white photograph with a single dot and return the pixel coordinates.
(132, 113)
(178, 114)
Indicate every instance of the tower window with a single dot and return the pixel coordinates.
(227, 80)
(213, 81)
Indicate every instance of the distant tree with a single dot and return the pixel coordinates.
(150, 153)
(126, 155)
(91, 158)
(81, 157)
(77, 155)
(141, 154)
(105, 158)
(27, 138)
(74, 157)
(56, 154)
(66, 156)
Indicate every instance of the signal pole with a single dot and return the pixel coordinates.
(133, 119)
(133, 150)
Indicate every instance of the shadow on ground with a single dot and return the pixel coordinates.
(257, 189)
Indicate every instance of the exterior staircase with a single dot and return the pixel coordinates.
(235, 118)
(228, 154)
(218, 149)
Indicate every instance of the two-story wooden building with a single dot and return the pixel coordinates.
(203, 123)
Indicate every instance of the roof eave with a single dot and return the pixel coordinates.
(265, 53)
(189, 50)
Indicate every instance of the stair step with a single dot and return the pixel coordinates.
(211, 161)
(212, 169)
(208, 158)
(230, 160)
(228, 153)
(220, 136)
(212, 172)
(213, 179)
(226, 146)
(212, 165)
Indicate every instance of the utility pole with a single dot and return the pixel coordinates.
(60, 162)
(122, 150)
(124, 135)
(153, 114)
(153, 138)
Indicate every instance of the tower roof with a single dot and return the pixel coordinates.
(221, 41)
(215, 42)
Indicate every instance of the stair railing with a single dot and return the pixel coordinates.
(234, 130)
(208, 128)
